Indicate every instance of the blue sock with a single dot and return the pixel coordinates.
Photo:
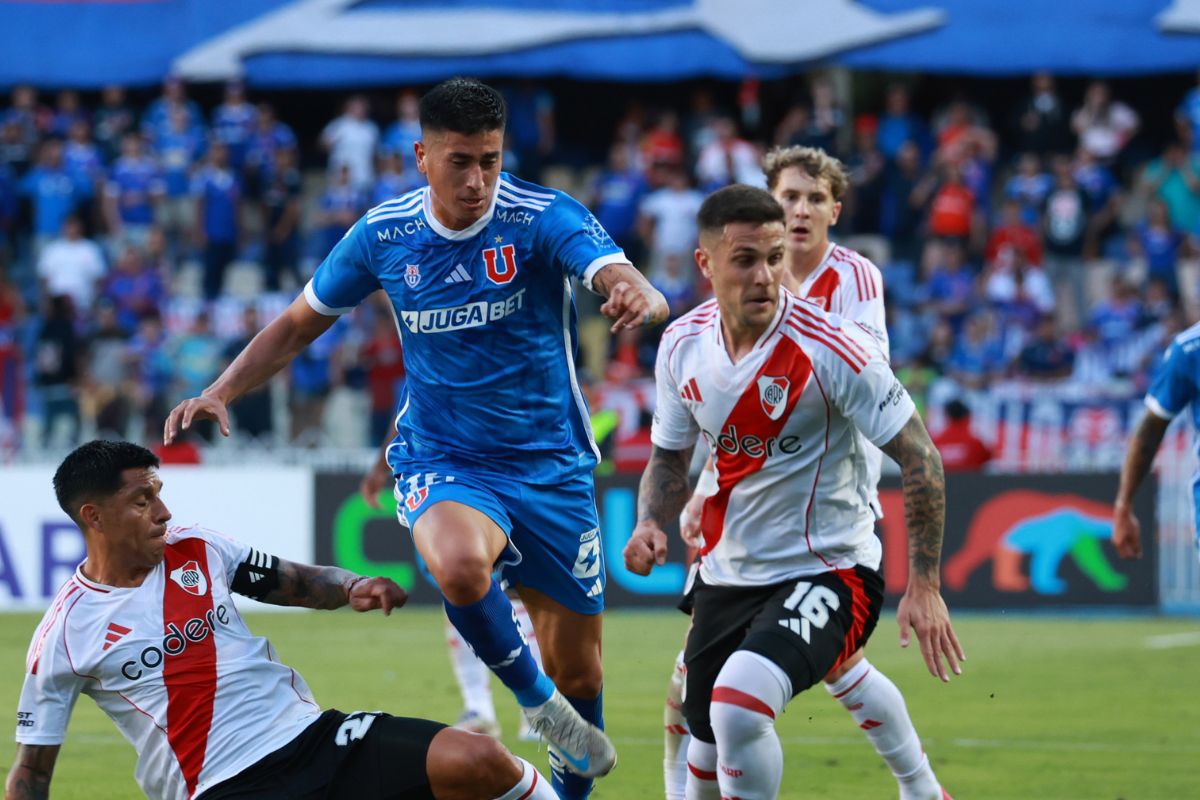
(490, 627)
(567, 784)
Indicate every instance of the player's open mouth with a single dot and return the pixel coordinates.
(800, 232)
(476, 203)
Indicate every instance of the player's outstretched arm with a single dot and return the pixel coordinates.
(268, 352)
(29, 777)
(632, 302)
(310, 586)
(662, 494)
(1127, 533)
(922, 607)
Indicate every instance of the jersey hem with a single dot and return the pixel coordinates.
(314, 302)
(1156, 408)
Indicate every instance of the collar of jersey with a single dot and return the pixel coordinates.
(812, 276)
(88, 583)
(465, 233)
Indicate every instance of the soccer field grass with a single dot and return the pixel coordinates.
(1088, 708)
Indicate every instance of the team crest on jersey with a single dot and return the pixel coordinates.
(415, 498)
(191, 579)
(412, 275)
(773, 394)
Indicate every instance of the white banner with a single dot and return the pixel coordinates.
(269, 508)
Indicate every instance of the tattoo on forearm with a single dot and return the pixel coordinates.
(924, 486)
(309, 586)
(30, 776)
(664, 489)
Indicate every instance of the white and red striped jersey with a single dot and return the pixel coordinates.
(172, 664)
(783, 423)
(846, 283)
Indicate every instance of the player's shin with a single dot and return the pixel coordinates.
(675, 734)
(878, 708)
(749, 693)
(702, 771)
(532, 786)
(567, 784)
(474, 683)
(490, 626)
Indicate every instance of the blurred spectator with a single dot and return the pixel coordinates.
(1042, 126)
(351, 140)
(728, 159)
(1104, 125)
(1065, 221)
(384, 361)
(614, 199)
(174, 97)
(1029, 187)
(218, 196)
(72, 265)
(56, 368)
(253, 413)
(151, 358)
(1174, 178)
(901, 206)
(668, 220)
(661, 147)
(1117, 317)
(269, 138)
(107, 373)
(1103, 196)
(1158, 243)
(179, 148)
(402, 134)
(113, 120)
(676, 280)
(698, 123)
(827, 115)
(866, 167)
(530, 128)
(12, 367)
(281, 221)
(339, 208)
(394, 178)
(950, 288)
(84, 164)
(1187, 117)
(898, 124)
(32, 119)
(1013, 234)
(196, 356)
(134, 287)
(67, 112)
(960, 448)
(951, 205)
(52, 191)
(1046, 357)
(1022, 288)
(15, 153)
(977, 355)
(314, 373)
(234, 123)
(134, 190)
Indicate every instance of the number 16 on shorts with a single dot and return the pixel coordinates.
(812, 604)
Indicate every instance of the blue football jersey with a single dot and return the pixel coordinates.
(1174, 385)
(487, 321)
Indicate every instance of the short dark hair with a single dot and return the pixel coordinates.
(738, 203)
(93, 470)
(463, 105)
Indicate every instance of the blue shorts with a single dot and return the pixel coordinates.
(553, 531)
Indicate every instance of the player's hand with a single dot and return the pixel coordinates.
(374, 482)
(631, 307)
(647, 547)
(1127, 533)
(689, 521)
(196, 408)
(373, 593)
(922, 609)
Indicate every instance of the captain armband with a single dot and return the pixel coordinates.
(257, 576)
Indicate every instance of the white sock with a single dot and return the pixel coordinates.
(473, 676)
(532, 785)
(675, 734)
(527, 630)
(749, 693)
(878, 708)
(702, 771)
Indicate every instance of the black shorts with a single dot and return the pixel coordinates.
(364, 756)
(808, 627)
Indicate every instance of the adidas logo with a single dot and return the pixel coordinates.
(255, 577)
(115, 634)
(458, 275)
(691, 391)
(596, 590)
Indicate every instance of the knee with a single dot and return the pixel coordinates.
(462, 764)
(464, 578)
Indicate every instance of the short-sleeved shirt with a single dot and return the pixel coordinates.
(172, 664)
(783, 424)
(487, 322)
(133, 183)
(1173, 386)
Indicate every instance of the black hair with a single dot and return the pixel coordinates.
(738, 203)
(93, 470)
(957, 409)
(463, 105)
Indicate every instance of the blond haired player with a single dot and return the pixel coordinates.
(809, 184)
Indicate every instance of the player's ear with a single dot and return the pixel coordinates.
(419, 151)
(837, 210)
(702, 261)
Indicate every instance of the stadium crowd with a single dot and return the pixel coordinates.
(141, 248)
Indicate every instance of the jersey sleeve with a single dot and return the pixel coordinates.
(861, 384)
(674, 427)
(575, 240)
(1173, 385)
(344, 278)
(865, 307)
(50, 689)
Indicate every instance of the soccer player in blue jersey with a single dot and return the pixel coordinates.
(1175, 385)
(493, 453)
